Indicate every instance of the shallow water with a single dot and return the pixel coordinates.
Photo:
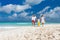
(2, 24)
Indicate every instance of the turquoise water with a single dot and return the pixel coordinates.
(19, 23)
(16, 24)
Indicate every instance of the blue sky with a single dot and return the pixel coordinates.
(22, 10)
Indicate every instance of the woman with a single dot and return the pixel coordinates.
(42, 20)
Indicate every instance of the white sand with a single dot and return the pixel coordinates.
(49, 32)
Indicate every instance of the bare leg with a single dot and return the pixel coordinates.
(33, 24)
(42, 24)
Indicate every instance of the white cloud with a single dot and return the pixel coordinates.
(7, 8)
(23, 14)
(44, 10)
(22, 8)
(16, 8)
(14, 15)
(33, 2)
(55, 13)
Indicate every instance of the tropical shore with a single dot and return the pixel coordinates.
(48, 32)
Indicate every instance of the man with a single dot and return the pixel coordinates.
(33, 20)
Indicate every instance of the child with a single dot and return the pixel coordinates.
(38, 22)
(33, 20)
(42, 20)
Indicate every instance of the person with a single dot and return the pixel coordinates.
(38, 22)
(42, 20)
(33, 20)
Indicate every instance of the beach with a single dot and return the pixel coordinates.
(48, 32)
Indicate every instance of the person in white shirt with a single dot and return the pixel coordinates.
(42, 20)
(33, 20)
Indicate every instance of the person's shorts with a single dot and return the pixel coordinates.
(33, 21)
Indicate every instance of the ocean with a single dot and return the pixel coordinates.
(20, 23)
(15, 24)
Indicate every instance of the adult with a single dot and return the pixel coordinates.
(42, 20)
(33, 19)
